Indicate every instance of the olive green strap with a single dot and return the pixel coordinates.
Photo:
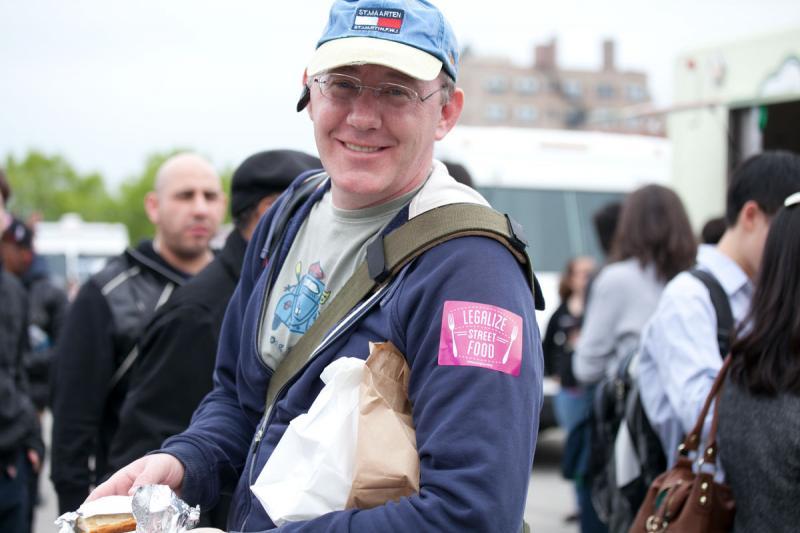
(388, 255)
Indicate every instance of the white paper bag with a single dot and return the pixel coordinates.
(310, 472)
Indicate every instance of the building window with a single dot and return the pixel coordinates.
(527, 85)
(496, 112)
(605, 91)
(633, 124)
(601, 115)
(572, 88)
(526, 113)
(635, 93)
(496, 84)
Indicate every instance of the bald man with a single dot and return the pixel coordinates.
(98, 344)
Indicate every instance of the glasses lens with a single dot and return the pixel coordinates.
(396, 95)
(339, 86)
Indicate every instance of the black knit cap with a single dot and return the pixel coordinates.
(267, 173)
(18, 233)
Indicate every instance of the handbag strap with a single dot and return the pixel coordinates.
(692, 440)
(388, 254)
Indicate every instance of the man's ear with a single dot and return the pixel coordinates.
(451, 111)
(151, 207)
(749, 215)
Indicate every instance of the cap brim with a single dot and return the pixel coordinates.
(367, 50)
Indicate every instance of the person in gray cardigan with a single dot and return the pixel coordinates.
(759, 414)
(653, 243)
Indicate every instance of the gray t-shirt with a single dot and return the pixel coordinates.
(328, 248)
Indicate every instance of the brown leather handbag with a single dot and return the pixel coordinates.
(682, 501)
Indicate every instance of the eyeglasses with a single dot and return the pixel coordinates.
(792, 199)
(346, 88)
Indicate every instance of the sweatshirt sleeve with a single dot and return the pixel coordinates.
(84, 364)
(597, 342)
(475, 409)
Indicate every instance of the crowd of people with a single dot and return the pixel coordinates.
(158, 371)
(651, 318)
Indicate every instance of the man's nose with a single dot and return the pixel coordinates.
(365, 110)
(200, 205)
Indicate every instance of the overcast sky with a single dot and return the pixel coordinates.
(105, 83)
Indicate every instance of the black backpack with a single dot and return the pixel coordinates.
(616, 400)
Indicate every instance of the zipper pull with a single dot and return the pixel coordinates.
(259, 436)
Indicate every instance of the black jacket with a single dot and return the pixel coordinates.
(100, 334)
(176, 358)
(19, 427)
(558, 352)
(47, 311)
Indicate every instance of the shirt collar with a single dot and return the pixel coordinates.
(729, 274)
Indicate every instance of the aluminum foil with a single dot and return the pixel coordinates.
(156, 509)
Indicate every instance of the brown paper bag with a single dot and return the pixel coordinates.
(387, 463)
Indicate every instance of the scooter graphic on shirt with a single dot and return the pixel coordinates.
(298, 308)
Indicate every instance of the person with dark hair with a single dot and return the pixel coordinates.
(21, 444)
(47, 308)
(564, 325)
(572, 403)
(459, 172)
(605, 222)
(680, 355)
(653, 242)
(763, 389)
(179, 345)
(713, 230)
(5, 195)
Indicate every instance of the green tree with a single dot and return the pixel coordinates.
(51, 186)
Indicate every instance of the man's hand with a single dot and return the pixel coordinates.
(35, 461)
(156, 469)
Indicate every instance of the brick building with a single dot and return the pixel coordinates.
(545, 95)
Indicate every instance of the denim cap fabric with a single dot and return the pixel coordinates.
(411, 36)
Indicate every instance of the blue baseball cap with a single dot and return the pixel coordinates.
(411, 36)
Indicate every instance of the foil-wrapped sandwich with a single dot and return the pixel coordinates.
(152, 509)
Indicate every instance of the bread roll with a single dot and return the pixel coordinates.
(107, 523)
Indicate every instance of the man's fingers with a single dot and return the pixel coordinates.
(33, 459)
(120, 483)
(116, 485)
(157, 469)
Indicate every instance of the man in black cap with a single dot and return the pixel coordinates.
(21, 445)
(47, 306)
(178, 348)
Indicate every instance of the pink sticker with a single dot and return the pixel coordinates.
(481, 335)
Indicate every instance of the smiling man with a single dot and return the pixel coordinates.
(380, 90)
(98, 340)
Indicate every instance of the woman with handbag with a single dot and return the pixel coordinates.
(759, 413)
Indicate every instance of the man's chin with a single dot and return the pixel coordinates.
(188, 252)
